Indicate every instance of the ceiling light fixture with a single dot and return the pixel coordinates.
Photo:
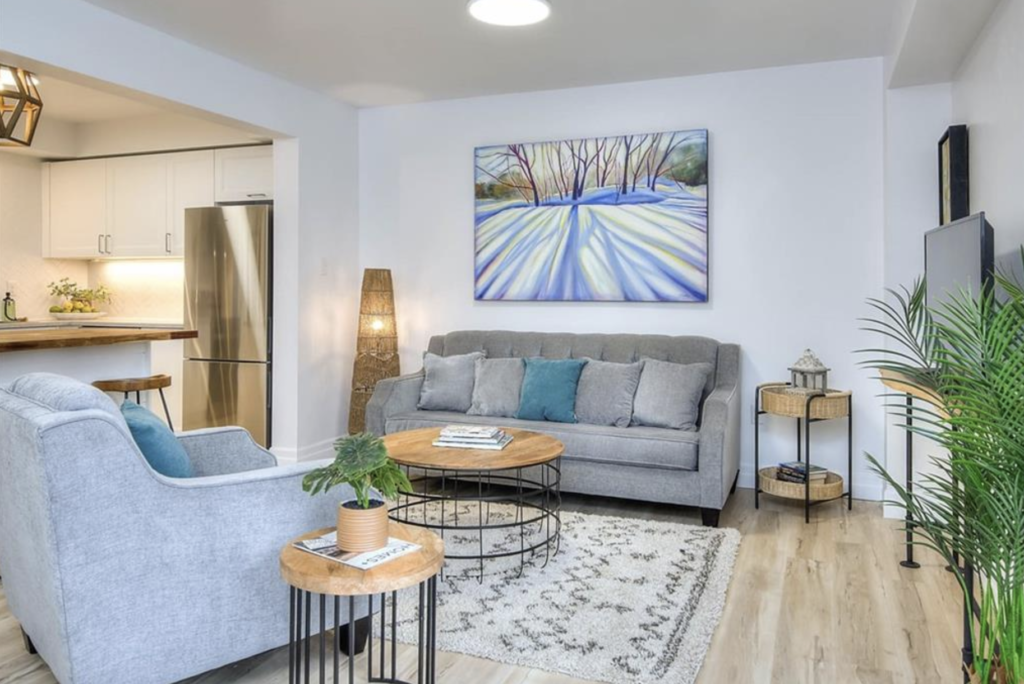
(510, 12)
(20, 106)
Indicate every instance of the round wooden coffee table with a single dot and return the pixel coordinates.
(308, 574)
(526, 474)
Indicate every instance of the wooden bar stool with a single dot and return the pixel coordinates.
(139, 385)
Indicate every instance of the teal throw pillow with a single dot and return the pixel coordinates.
(549, 390)
(156, 441)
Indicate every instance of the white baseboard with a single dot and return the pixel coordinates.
(310, 452)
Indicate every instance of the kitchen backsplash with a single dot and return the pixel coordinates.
(151, 288)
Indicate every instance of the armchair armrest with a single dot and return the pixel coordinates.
(719, 450)
(216, 451)
(391, 397)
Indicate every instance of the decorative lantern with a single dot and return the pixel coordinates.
(809, 374)
(376, 343)
(20, 106)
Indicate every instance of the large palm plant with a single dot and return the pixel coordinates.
(967, 354)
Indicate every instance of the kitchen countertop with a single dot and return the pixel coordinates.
(105, 322)
(77, 335)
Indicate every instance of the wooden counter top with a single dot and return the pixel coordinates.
(60, 338)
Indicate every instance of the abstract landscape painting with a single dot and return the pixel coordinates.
(600, 219)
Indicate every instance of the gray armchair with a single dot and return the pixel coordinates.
(118, 574)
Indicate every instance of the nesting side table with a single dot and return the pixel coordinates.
(308, 575)
(776, 398)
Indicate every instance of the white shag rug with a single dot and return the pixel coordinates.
(624, 601)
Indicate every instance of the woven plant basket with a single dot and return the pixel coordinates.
(831, 488)
(785, 401)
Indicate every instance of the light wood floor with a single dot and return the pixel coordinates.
(825, 602)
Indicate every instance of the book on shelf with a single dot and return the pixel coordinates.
(496, 444)
(797, 471)
(326, 546)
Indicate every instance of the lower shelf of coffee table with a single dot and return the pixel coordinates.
(831, 488)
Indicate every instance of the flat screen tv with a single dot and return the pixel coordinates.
(958, 256)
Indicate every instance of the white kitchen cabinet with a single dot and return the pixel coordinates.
(75, 209)
(191, 185)
(138, 204)
(244, 174)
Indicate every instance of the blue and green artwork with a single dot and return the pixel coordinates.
(600, 219)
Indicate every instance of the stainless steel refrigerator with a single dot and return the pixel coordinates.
(228, 281)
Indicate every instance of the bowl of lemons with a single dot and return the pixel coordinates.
(78, 304)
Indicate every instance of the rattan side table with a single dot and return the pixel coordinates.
(780, 399)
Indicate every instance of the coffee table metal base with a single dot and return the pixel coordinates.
(300, 638)
(536, 495)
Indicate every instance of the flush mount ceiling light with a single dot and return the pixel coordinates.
(510, 12)
(20, 106)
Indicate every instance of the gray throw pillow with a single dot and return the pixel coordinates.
(605, 393)
(448, 382)
(669, 394)
(497, 387)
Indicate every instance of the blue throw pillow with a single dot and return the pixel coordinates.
(549, 390)
(156, 441)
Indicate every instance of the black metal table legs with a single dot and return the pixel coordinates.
(534, 491)
(301, 638)
(909, 561)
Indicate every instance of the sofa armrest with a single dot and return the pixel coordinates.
(217, 451)
(391, 397)
(719, 451)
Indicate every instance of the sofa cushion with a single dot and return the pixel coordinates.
(617, 347)
(605, 393)
(669, 394)
(549, 390)
(448, 381)
(645, 447)
(157, 443)
(497, 387)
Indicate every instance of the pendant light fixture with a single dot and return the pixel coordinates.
(510, 12)
(20, 106)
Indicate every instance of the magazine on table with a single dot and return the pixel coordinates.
(489, 445)
(327, 547)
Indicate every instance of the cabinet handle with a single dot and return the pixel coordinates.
(167, 242)
(256, 195)
(106, 241)
(99, 243)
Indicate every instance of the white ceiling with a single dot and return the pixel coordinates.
(379, 52)
(73, 103)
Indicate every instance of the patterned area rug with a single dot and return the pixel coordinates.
(624, 601)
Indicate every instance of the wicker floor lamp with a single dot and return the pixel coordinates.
(376, 343)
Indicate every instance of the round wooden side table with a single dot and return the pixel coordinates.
(780, 399)
(308, 575)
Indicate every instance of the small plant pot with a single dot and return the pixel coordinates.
(362, 529)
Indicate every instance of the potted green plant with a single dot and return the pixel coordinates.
(967, 355)
(362, 462)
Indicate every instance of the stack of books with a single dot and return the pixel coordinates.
(473, 437)
(796, 471)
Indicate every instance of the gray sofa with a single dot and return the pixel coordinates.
(119, 574)
(689, 468)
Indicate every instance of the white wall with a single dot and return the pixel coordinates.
(796, 221)
(155, 132)
(22, 267)
(316, 239)
(915, 119)
(988, 96)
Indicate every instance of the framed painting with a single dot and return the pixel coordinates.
(620, 219)
(954, 178)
